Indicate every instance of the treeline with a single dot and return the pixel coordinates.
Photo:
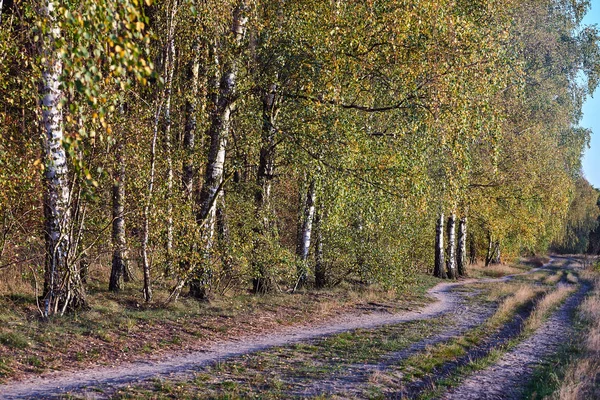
(232, 145)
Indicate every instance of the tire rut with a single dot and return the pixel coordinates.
(506, 379)
(352, 380)
(497, 339)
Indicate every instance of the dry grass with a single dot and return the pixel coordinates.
(120, 327)
(493, 271)
(582, 380)
(512, 293)
(17, 281)
(373, 293)
(538, 261)
(380, 378)
(554, 279)
(545, 305)
(523, 294)
(572, 278)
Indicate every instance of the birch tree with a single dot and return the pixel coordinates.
(451, 264)
(439, 270)
(461, 254)
(305, 232)
(219, 134)
(119, 271)
(63, 288)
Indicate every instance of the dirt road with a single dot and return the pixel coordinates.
(450, 301)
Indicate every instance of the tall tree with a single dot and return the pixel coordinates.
(219, 134)
(451, 264)
(119, 271)
(306, 230)
(461, 254)
(439, 270)
(63, 288)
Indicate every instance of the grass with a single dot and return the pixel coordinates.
(554, 278)
(276, 372)
(280, 372)
(543, 308)
(479, 270)
(269, 374)
(14, 340)
(549, 376)
(125, 329)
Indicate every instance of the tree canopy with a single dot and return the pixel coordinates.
(246, 144)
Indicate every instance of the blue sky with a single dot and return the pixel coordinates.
(591, 116)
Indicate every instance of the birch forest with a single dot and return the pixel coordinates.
(209, 148)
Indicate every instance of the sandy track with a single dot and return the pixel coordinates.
(505, 379)
(57, 383)
(351, 381)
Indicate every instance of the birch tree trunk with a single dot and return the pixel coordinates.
(488, 256)
(461, 256)
(218, 133)
(147, 290)
(320, 273)
(439, 269)
(452, 246)
(496, 258)
(166, 127)
(119, 241)
(304, 238)
(63, 289)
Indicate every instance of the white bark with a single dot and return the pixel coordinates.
(169, 71)
(303, 247)
(218, 133)
(497, 259)
(452, 246)
(63, 288)
(189, 133)
(461, 256)
(309, 214)
(146, 227)
(439, 269)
